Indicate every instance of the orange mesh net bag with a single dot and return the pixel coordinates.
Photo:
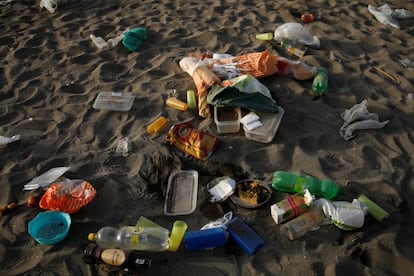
(258, 65)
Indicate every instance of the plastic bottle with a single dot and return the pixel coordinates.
(176, 103)
(132, 238)
(292, 183)
(302, 224)
(115, 257)
(156, 125)
(320, 82)
(286, 44)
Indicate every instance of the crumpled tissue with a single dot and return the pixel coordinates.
(388, 16)
(358, 117)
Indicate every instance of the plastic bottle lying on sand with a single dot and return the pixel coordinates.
(292, 183)
(302, 224)
(320, 82)
(115, 257)
(132, 238)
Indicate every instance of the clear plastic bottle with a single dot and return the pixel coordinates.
(132, 238)
(292, 183)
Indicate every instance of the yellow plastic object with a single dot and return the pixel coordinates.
(264, 36)
(177, 235)
(156, 125)
(191, 99)
(176, 103)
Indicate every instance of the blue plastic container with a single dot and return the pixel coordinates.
(50, 227)
(244, 236)
(205, 239)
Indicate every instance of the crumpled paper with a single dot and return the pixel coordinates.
(358, 117)
(52, 5)
(388, 16)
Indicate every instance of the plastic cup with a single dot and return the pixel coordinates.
(191, 100)
(177, 233)
(373, 209)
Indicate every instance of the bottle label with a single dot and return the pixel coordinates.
(135, 234)
(115, 257)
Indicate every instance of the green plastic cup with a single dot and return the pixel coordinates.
(177, 234)
(373, 209)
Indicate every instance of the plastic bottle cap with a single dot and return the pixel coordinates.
(91, 236)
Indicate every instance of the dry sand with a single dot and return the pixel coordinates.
(51, 74)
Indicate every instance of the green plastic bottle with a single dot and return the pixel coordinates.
(320, 82)
(292, 183)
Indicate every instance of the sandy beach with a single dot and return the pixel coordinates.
(51, 74)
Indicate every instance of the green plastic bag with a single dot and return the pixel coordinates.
(134, 38)
(244, 91)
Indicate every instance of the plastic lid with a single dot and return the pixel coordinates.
(373, 209)
(91, 237)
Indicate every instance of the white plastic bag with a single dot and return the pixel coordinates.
(296, 33)
(6, 140)
(358, 117)
(51, 5)
(388, 16)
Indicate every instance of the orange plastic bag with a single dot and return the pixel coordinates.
(67, 196)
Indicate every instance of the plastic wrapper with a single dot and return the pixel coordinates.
(196, 143)
(296, 33)
(46, 178)
(67, 196)
(343, 214)
(358, 117)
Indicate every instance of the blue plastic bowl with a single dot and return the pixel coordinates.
(50, 227)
